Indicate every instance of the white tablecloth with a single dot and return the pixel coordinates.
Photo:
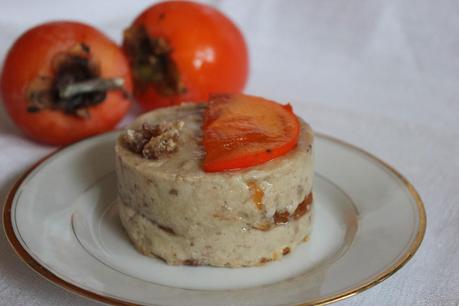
(383, 75)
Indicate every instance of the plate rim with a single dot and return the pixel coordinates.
(33, 264)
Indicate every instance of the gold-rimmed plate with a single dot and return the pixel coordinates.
(61, 220)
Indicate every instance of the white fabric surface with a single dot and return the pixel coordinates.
(380, 74)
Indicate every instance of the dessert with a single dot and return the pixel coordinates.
(175, 208)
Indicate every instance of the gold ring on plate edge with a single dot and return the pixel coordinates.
(47, 274)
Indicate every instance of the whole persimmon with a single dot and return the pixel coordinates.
(64, 81)
(182, 51)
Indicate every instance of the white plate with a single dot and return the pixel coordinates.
(61, 219)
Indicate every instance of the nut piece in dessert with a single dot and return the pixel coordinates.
(153, 141)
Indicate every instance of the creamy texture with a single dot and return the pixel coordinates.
(232, 246)
(172, 209)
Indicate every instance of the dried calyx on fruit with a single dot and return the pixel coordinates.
(151, 62)
(74, 84)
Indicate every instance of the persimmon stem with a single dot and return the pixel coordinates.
(92, 85)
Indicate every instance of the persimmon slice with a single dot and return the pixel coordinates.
(241, 131)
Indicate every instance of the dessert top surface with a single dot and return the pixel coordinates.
(180, 148)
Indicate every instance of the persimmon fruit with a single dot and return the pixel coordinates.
(64, 81)
(241, 131)
(182, 51)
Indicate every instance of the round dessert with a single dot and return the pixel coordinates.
(172, 209)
